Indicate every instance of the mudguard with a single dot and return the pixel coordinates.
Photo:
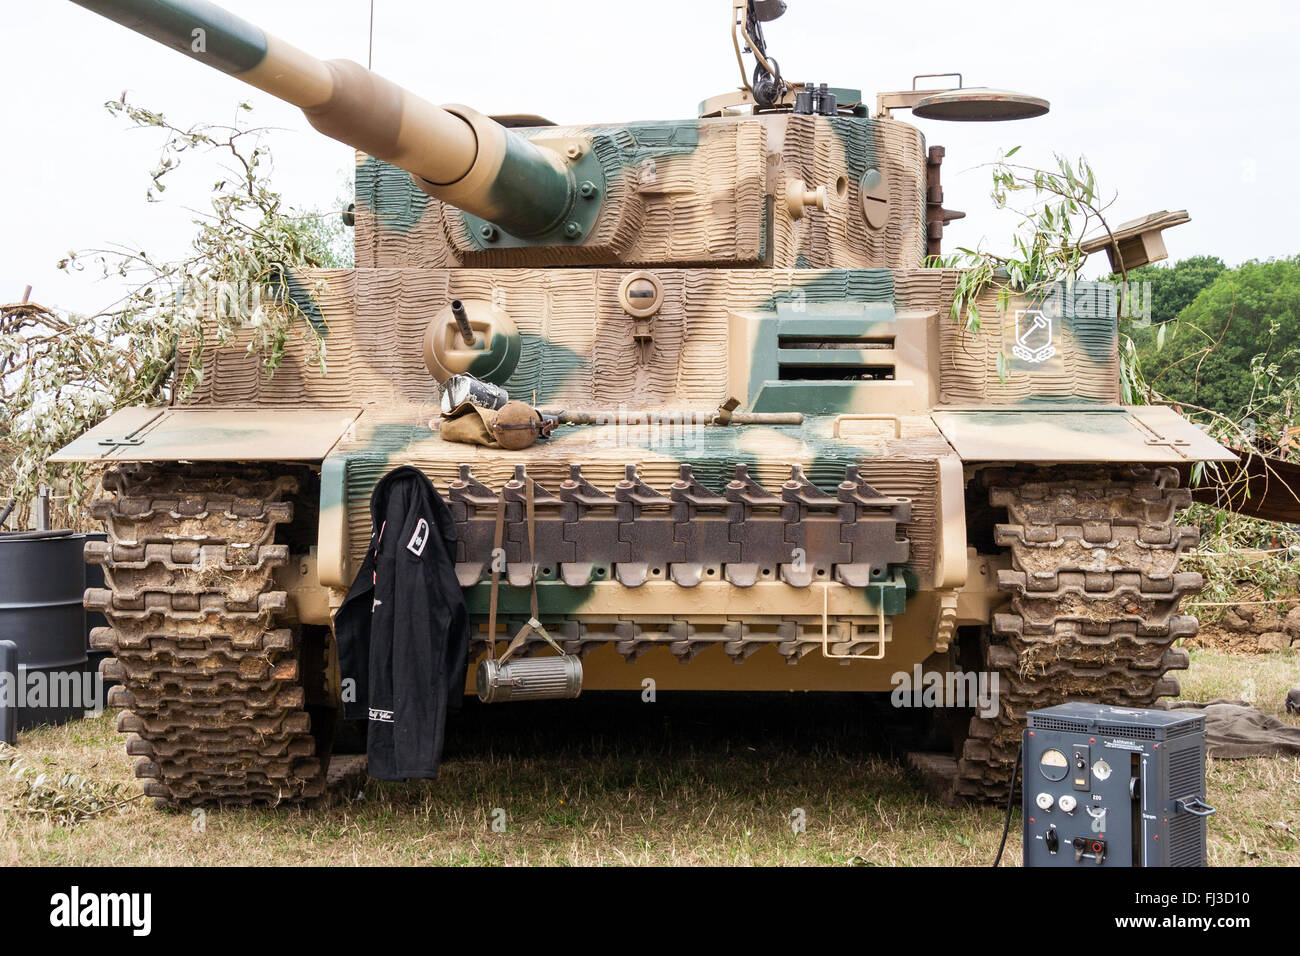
(1151, 434)
(212, 434)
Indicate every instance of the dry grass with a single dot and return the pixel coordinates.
(609, 780)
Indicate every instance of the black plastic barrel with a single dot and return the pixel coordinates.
(42, 582)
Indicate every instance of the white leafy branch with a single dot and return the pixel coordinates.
(60, 373)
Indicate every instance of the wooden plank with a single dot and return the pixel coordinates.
(1260, 487)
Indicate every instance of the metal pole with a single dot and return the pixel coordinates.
(669, 416)
(9, 691)
(43, 508)
(370, 49)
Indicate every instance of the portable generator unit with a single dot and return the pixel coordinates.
(1114, 786)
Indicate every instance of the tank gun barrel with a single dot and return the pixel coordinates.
(455, 154)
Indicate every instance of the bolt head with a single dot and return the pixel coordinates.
(488, 232)
(588, 189)
(574, 151)
(572, 230)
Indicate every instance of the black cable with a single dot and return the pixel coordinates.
(767, 84)
(754, 27)
(1011, 796)
(768, 87)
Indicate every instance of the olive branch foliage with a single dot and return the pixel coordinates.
(62, 372)
(61, 797)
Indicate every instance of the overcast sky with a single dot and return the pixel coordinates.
(1177, 105)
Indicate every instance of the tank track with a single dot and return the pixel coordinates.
(214, 707)
(1093, 613)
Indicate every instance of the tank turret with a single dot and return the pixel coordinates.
(452, 153)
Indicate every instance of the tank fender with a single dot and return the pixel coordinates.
(1147, 434)
(212, 434)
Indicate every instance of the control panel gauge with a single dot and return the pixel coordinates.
(1053, 765)
(1045, 801)
(1101, 770)
(1068, 803)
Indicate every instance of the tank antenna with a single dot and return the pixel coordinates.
(370, 48)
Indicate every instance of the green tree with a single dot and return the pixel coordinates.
(1235, 345)
(1175, 287)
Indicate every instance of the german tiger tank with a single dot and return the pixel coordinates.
(758, 452)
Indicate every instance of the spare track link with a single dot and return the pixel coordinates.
(747, 532)
(214, 709)
(1093, 614)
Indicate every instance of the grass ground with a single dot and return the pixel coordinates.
(610, 780)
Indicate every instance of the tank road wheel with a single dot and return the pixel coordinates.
(1094, 589)
(215, 711)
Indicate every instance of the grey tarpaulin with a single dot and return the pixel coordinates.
(1235, 730)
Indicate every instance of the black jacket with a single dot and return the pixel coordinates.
(403, 630)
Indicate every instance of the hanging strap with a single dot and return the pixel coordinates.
(497, 534)
(522, 637)
(530, 510)
(533, 624)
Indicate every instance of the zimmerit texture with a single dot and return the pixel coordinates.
(578, 343)
(1088, 366)
(393, 224)
(836, 154)
(706, 205)
(662, 204)
(968, 361)
(688, 193)
(579, 347)
(615, 232)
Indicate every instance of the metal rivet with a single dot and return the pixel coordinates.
(588, 189)
(572, 230)
(488, 232)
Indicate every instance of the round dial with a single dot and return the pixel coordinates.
(1053, 765)
(1101, 770)
(1045, 801)
(1068, 803)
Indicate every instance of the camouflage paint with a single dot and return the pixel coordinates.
(528, 196)
(232, 45)
(607, 158)
(386, 192)
(304, 300)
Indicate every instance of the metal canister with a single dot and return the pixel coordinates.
(517, 425)
(529, 678)
(463, 388)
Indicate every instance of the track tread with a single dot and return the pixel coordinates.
(213, 708)
(1094, 598)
